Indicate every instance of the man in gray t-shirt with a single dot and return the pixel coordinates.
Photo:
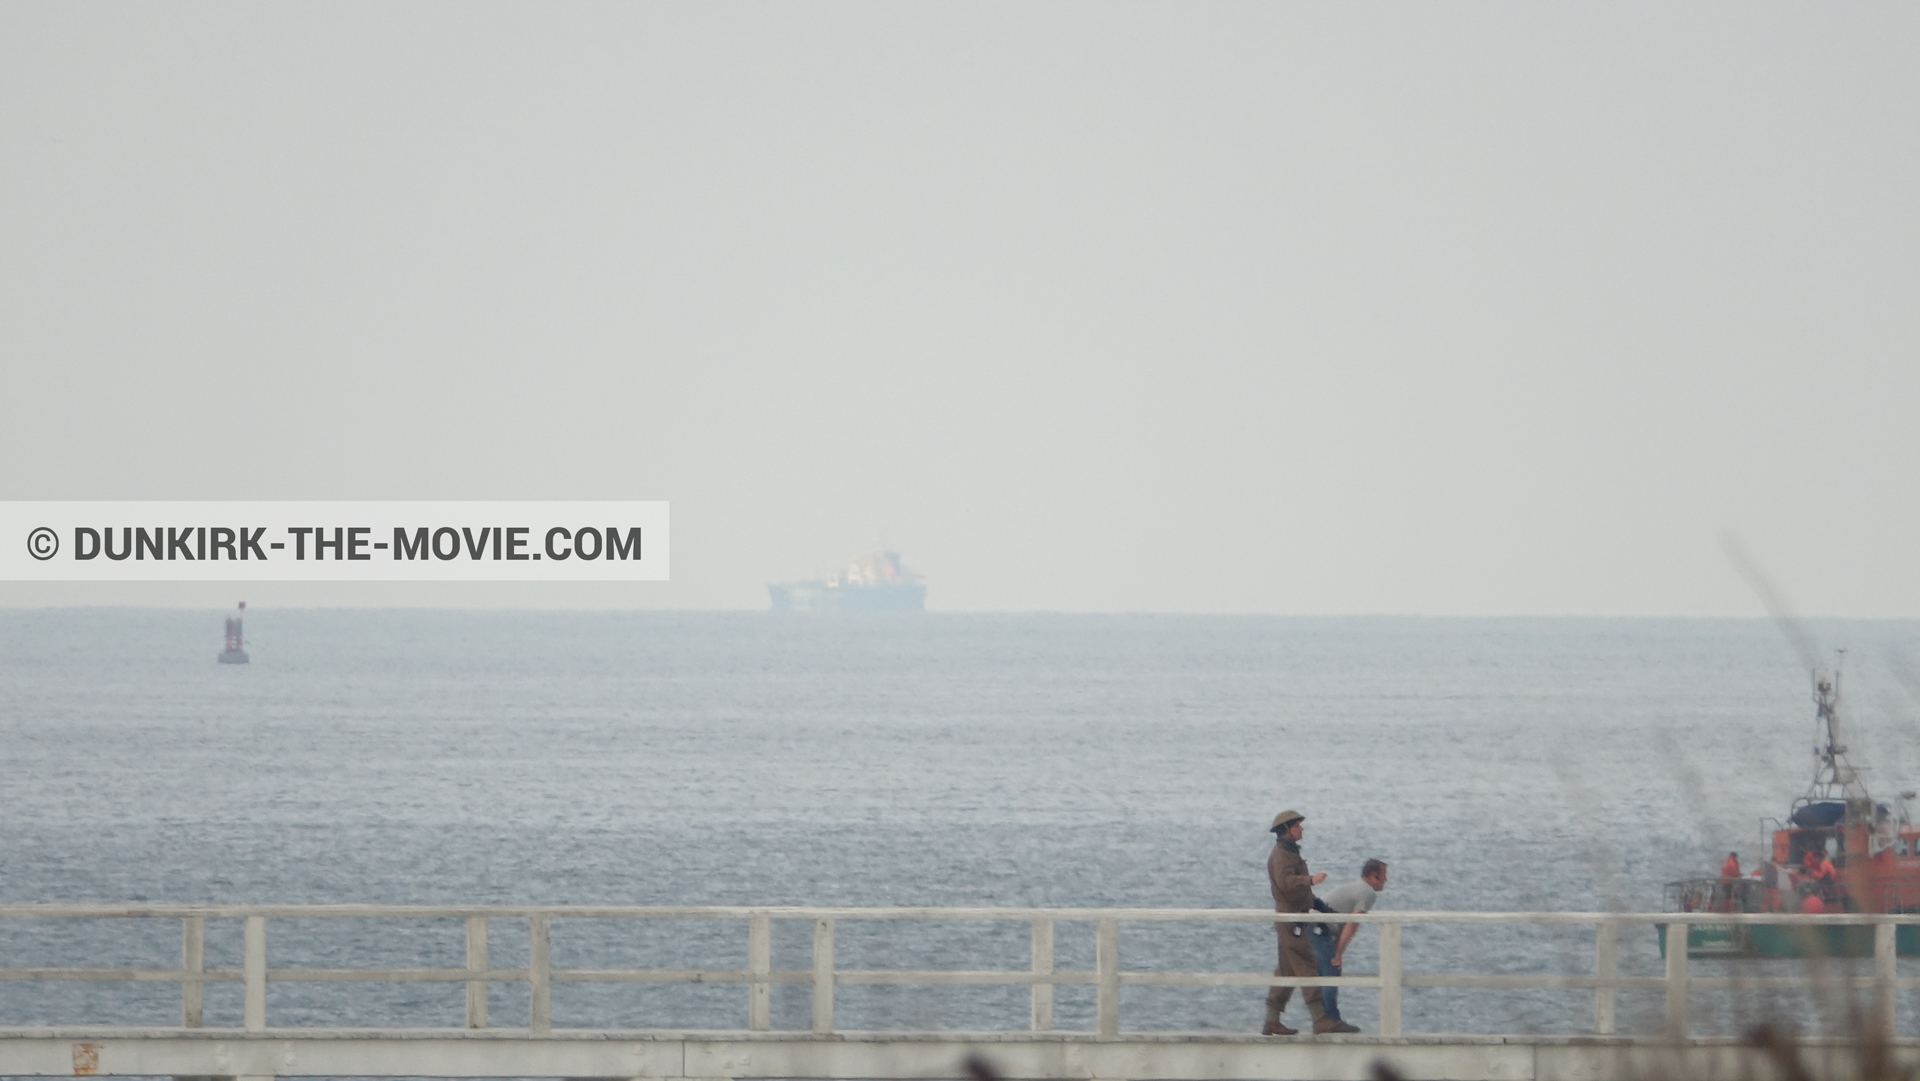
(1329, 948)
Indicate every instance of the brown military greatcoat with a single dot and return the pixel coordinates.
(1287, 876)
(1292, 887)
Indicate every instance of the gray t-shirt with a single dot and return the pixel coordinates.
(1355, 896)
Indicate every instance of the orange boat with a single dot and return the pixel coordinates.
(1874, 849)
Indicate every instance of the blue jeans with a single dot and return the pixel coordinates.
(1323, 962)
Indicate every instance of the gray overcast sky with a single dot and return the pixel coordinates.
(1429, 308)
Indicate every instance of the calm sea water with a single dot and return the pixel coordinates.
(639, 758)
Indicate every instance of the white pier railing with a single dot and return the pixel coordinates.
(1108, 976)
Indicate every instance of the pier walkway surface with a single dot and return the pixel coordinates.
(534, 1043)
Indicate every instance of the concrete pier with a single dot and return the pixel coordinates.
(667, 1056)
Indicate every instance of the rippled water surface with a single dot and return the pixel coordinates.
(442, 757)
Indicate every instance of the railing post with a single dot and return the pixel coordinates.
(759, 963)
(1606, 966)
(1390, 978)
(1106, 950)
(193, 959)
(539, 978)
(1886, 962)
(254, 965)
(823, 975)
(477, 962)
(1042, 997)
(1676, 981)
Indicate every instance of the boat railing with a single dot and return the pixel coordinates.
(1716, 895)
(1108, 977)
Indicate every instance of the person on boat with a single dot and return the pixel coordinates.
(1810, 860)
(1773, 878)
(1330, 944)
(1822, 875)
(1292, 886)
(1729, 874)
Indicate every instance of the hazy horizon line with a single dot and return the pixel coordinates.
(857, 616)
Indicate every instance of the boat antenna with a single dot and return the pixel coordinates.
(1834, 777)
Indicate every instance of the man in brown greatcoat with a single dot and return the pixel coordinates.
(1292, 886)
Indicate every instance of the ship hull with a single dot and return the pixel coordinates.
(1762, 940)
(821, 597)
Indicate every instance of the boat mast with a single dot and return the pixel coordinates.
(1834, 777)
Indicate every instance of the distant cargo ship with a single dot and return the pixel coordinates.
(873, 583)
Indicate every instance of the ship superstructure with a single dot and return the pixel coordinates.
(872, 583)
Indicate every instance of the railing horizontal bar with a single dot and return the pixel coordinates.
(1242, 979)
(125, 975)
(1061, 977)
(1201, 915)
(959, 976)
(1626, 983)
(287, 975)
(1741, 983)
(393, 975)
(678, 975)
(1636, 983)
(727, 912)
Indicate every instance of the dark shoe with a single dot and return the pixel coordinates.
(1275, 1028)
(1333, 1024)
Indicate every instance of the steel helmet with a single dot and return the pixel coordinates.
(1286, 818)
